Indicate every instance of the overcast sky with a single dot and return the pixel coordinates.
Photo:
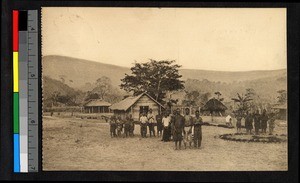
(197, 38)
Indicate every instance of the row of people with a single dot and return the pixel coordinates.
(186, 129)
(121, 128)
(260, 122)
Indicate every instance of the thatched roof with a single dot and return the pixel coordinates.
(96, 103)
(129, 101)
(214, 105)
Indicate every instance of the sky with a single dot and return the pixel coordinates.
(223, 39)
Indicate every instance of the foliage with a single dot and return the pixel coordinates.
(91, 95)
(243, 102)
(154, 77)
(218, 96)
(191, 98)
(282, 98)
(102, 86)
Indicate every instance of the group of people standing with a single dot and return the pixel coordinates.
(186, 129)
(121, 128)
(260, 122)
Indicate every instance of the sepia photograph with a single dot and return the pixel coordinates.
(164, 89)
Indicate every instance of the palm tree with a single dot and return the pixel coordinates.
(242, 101)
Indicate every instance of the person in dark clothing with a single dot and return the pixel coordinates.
(257, 120)
(264, 121)
(166, 131)
(113, 126)
(198, 122)
(127, 126)
(239, 123)
(131, 128)
(248, 122)
(178, 129)
(171, 129)
(119, 126)
(159, 124)
(272, 123)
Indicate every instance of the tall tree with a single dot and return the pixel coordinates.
(103, 86)
(191, 98)
(154, 77)
(243, 102)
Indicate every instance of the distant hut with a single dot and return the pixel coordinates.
(96, 106)
(282, 111)
(214, 107)
(135, 105)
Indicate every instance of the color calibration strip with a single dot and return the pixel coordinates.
(25, 87)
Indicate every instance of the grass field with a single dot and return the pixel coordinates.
(85, 144)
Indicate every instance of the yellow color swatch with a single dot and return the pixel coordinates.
(16, 71)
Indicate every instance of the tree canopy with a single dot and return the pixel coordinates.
(154, 77)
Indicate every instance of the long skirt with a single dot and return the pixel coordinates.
(166, 134)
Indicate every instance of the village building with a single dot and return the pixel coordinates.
(96, 106)
(214, 107)
(136, 105)
(282, 111)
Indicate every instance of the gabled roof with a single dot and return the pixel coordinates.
(130, 101)
(97, 102)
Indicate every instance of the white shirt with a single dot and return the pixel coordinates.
(143, 119)
(228, 118)
(166, 121)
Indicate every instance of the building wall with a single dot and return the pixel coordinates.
(99, 109)
(144, 101)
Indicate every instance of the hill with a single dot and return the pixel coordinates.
(230, 77)
(80, 74)
(53, 87)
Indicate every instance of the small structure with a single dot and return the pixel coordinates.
(282, 111)
(135, 105)
(96, 106)
(214, 107)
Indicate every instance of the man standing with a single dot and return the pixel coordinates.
(143, 121)
(127, 126)
(272, 123)
(113, 126)
(257, 124)
(188, 126)
(178, 129)
(198, 122)
(171, 129)
(264, 121)
(151, 122)
(131, 133)
(248, 122)
(159, 124)
(239, 122)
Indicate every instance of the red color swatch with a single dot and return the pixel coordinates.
(15, 30)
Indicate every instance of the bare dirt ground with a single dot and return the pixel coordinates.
(76, 144)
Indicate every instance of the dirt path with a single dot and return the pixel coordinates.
(75, 144)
